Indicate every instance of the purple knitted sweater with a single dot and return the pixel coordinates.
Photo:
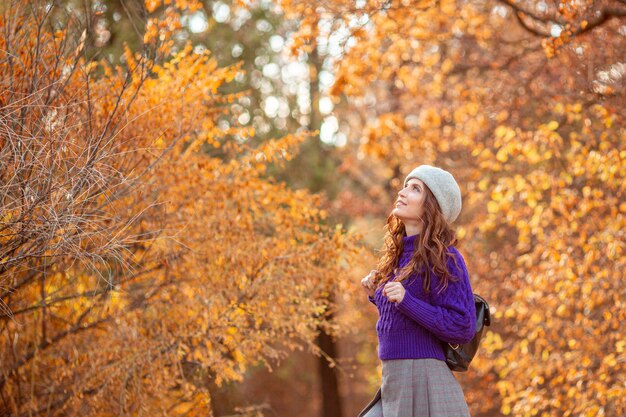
(415, 327)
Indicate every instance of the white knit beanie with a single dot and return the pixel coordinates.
(443, 186)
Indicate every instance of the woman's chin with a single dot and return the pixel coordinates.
(397, 212)
(403, 217)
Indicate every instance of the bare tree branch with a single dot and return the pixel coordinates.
(538, 28)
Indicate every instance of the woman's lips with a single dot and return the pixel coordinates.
(400, 203)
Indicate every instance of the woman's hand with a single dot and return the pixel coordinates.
(394, 291)
(368, 283)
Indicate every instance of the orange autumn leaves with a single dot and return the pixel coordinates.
(194, 265)
(514, 104)
(560, 196)
(166, 259)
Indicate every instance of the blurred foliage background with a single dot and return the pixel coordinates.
(191, 191)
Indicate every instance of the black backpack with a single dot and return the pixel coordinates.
(458, 357)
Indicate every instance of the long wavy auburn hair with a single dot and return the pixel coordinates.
(431, 248)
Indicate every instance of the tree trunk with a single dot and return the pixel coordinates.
(331, 400)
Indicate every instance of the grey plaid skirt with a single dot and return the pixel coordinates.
(417, 388)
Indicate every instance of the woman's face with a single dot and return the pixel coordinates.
(410, 202)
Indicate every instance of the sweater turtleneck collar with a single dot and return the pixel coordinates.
(408, 243)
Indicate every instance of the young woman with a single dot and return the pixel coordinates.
(424, 299)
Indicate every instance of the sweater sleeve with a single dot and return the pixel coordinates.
(451, 314)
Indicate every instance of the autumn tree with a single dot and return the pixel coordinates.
(523, 101)
(145, 252)
(251, 37)
(281, 94)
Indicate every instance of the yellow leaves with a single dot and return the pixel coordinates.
(503, 135)
(448, 7)
(572, 392)
(268, 240)
(227, 374)
(609, 360)
(447, 65)
(197, 405)
(151, 5)
(129, 57)
(388, 26)
(204, 235)
(568, 250)
(159, 143)
(566, 177)
(616, 392)
(603, 113)
(338, 86)
(505, 387)
(552, 126)
(502, 155)
(151, 33)
(586, 361)
(117, 300)
(249, 239)
(523, 346)
(430, 118)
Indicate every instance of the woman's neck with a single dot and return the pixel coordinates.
(412, 229)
